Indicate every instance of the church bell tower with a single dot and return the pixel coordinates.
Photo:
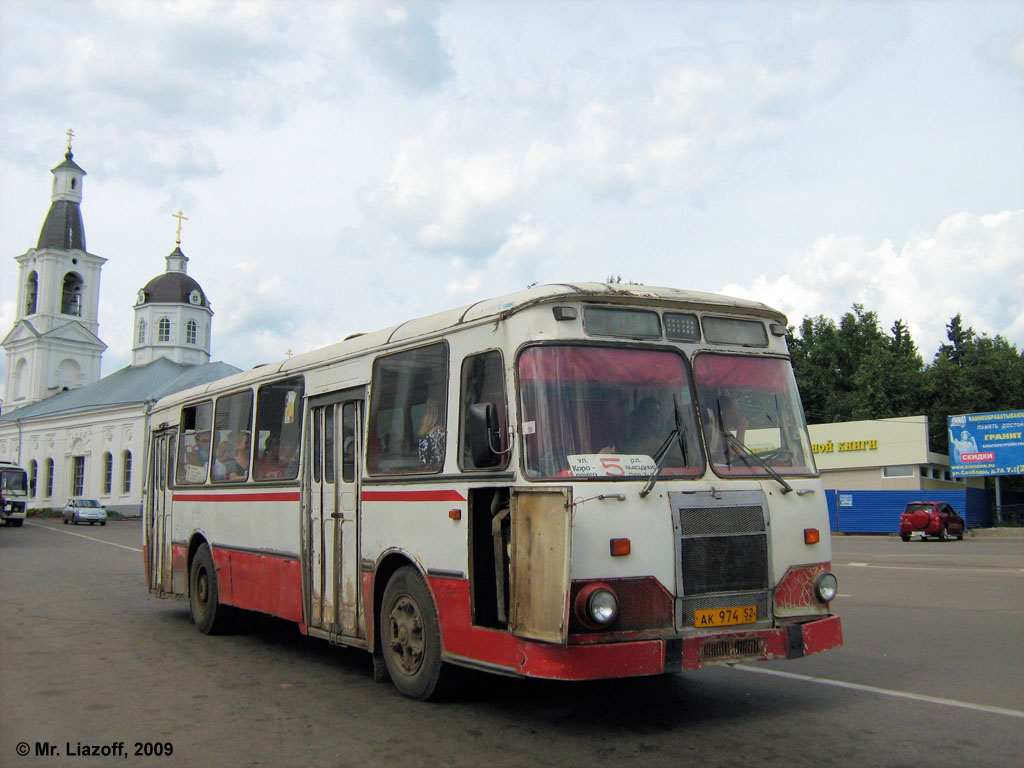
(54, 345)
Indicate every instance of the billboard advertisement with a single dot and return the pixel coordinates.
(986, 444)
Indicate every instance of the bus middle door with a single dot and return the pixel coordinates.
(332, 534)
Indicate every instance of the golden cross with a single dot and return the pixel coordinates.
(71, 135)
(180, 217)
(289, 353)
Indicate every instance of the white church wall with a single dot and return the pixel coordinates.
(90, 435)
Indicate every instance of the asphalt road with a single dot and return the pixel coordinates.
(931, 675)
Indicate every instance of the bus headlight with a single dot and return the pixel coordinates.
(596, 606)
(825, 587)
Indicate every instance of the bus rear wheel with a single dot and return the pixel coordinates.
(411, 638)
(209, 616)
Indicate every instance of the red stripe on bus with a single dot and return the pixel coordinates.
(449, 495)
(258, 582)
(268, 496)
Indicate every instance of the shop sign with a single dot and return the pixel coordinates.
(983, 444)
(845, 445)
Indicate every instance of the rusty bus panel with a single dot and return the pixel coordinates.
(540, 564)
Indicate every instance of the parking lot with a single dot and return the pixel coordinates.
(930, 674)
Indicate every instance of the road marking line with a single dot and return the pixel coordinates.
(83, 536)
(886, 692)
(928, 568)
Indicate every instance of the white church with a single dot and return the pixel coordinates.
(75, 433)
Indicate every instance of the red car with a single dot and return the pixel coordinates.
(931, 518)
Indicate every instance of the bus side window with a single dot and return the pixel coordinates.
(232, 422)
(278, 430)
(483, 381)
(194, 444)
(408, 408)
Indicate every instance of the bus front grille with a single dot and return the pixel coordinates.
(724, 563)
(723, 555)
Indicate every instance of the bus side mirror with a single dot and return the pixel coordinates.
(484, 435)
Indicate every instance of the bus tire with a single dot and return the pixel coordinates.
(209, 616)
(410, 637)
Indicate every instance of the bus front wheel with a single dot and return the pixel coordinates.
(208, 614)
(410, 637)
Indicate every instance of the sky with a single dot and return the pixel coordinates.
(345, 166)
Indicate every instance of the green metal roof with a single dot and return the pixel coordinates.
(133, 384)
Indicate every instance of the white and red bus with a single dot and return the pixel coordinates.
(572, 482)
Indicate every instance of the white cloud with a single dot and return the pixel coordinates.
(971, 264)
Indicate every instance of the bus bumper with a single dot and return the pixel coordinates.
(655, 657)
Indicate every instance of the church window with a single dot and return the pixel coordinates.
(190, 332)
(126, 472)
(69, 375)
(77, 475)
(142, 331)
(49, 478)
(108, 473)
(163, 330)
(71, 296)
(31, 292)
(19, 380)
(33, 477)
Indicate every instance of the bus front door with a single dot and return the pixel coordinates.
(332, 534)
(158, 531)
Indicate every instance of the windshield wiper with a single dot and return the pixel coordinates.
(745, 452)
(662, 455)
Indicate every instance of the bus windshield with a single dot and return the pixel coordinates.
(752, 415)
(607, 413)
(13, 481)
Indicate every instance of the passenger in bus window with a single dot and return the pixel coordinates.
(431, 436)
(198, 453)
(644, 432)
(224, 465)
(288, 456)
(267, 464)
(280, 459)
(242, 450)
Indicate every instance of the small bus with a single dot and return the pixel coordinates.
(572, 482)
(13, 494)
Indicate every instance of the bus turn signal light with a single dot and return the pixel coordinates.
(811, 536)
(619, 547)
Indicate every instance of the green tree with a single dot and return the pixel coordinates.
(843, 370)
(971, 374)
(890, 378)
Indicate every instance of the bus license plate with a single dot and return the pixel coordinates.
(723, 617)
